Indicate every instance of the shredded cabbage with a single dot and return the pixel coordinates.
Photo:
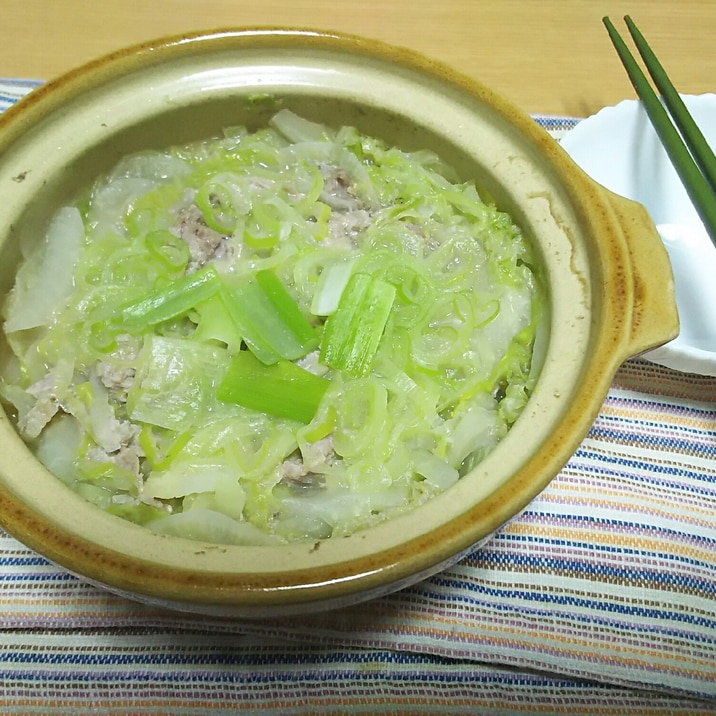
(409, 306)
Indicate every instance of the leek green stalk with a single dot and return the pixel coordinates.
(282, 389)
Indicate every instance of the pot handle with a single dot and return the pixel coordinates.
(655, 319)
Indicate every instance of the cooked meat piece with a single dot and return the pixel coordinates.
(44, 409)
(295, 474)
(118, 379)
(129, 435)
(117, 373)
(316, 456)
(345, 226)
(204, 243)
(128, 455)
(337, 189)
(305, 469)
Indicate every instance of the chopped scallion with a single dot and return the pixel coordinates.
(263, 227)
(215, 324)
(352, 334)
(215, 202)
(286, 308)
(269, 320)
(168, 248)
(283, 389)
(171, 300)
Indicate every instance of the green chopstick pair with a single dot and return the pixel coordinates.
(691, 156)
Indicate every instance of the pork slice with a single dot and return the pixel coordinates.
(117, 379)
(117, 372)
(128, 455)
(337, 189)
(205, 244)
(294, 473)
(345, 226)
(45, 408)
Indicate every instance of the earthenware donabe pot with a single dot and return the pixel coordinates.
(609, 281)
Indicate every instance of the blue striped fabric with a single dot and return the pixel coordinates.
(599, 598)
(11, 90)
(130, 673)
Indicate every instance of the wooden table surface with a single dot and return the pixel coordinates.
(551, 57)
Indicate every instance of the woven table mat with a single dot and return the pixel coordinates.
(599, 598)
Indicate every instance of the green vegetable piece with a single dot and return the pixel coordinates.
(171, 300)
(283, 389)
(262, 228)
(161, 446)
(138, 513)
(169, 249)
(269, 320)
(286, 308)
(215, 324)
(352, 334)
(215, 203)
(243, 305)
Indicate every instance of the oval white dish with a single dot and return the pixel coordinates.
(619, 148)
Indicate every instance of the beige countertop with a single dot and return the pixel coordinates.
(546, 57)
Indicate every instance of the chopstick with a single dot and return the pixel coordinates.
(691, 156)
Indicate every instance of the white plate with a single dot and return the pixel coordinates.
(619, 148)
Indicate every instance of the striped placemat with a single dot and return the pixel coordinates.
(12, 90)
(599, 598)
